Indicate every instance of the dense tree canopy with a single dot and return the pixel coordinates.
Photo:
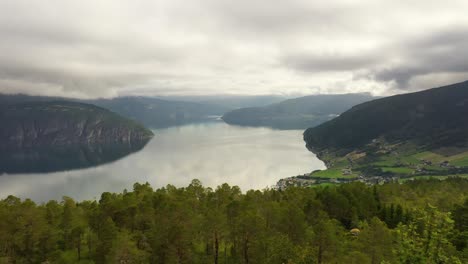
(423, 221)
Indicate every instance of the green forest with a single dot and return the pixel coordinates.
(421, 221)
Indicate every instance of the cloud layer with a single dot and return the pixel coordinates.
(158, 47)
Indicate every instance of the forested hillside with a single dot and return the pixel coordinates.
(402, 136)
(431, 119)
(425, 221)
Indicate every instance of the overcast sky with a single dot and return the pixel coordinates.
(92, 48)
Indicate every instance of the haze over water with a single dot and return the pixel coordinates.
(215, 153)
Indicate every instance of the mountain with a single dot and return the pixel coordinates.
(231, 101)
(407, 135)
(151, 112)
(64, 123)
(298, 113)
(10, 99)
(431, 118)
(158, 113)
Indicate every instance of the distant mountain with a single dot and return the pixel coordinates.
(151, 112)
(62, 123)
(158, 113)
(298, 113)
(231, 101)
(10, 99)
(431, 119)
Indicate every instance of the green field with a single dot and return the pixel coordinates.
(398, 170)
(440, 177)
(332, 173)
(462, 162)
(405, 162)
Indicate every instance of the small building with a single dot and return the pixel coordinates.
(420, 170)
(347, 171)
(444, 164)
(426, 162)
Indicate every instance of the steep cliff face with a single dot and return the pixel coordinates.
(62, 123)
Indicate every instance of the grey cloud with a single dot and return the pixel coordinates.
(442, 52)
(157, 47)
(322, 63)
(436, 52)
(280, 17)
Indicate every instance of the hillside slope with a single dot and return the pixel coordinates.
(396, 138)
(158, 113)
(231, 101)
(298, 113)
(149, 111)
(431, 119)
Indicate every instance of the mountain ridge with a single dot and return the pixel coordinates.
(296, 113)
(438, 116)
(150, 111)
(396, 138)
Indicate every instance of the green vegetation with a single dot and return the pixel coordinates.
(394, 163)
(398, 170)
(431, 119)
(402, 136)
(423, 221)
(332, 173)
(298, 113)
(438, 177)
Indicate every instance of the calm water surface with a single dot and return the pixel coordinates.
(215, 153)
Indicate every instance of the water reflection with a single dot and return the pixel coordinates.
(215, 153)
(52, 159)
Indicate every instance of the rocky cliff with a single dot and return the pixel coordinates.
(63, 123)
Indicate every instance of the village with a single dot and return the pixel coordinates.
(391, 163)
(308, 180)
